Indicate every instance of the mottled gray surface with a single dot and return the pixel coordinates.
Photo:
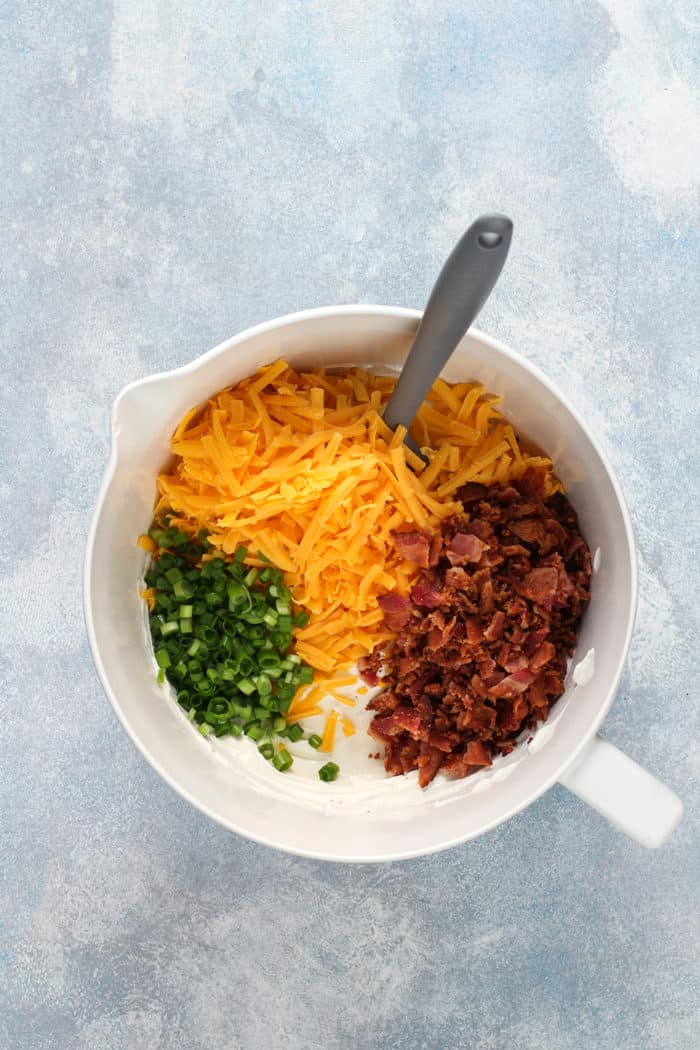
(173, 172)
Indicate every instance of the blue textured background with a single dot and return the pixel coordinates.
(172, 173)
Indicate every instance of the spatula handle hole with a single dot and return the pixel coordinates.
(490, 240)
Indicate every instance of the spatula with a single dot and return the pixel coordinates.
(463, 286)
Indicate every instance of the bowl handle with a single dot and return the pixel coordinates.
(625, 794)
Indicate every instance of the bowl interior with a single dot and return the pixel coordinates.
(347, 826)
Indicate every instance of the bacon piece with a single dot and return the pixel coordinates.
(538, 699)
(436, 638)
(512, 716)
(517, 682)
(543, 533)
(368, 669)
(533, 481)
(533, 641)
(465, 548)
(486, 600)
(474, 755)
(429, 761)
(477, 754)
(530, 530)
(475, 634)
(540, 585)
(408, 664)
(485, 663)
(427, 595)
(516, 662)
(418, 684)
(471, 492)
(384, 702)
(408, 719)
(482, 719)
(402, 720)
(396, 609)
(413, 546)
(479, 528)
(408, 755)
(458, 579)
(435, 550)
(541, 656)
(494, 631)
(443, 741)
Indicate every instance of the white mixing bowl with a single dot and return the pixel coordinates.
(376, 819)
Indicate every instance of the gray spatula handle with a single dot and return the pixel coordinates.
(464, 285)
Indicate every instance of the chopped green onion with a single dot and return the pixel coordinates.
(182, 590)
(282, 761)
(264, 685)
(222, 633)
(315, 741)
(267, 660)
(329, 772)
(238, 596)
(266, 750)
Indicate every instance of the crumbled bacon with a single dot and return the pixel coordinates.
(480, 647)
(429, 597)
(413, 546)
(517, 682)
(465, 547)
(396, 609)
(540, 586)
(435, 550)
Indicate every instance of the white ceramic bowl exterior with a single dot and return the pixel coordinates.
(565, 747)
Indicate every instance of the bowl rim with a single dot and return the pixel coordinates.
(286, 320)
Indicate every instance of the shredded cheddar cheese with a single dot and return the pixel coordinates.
(329, 732)
(149, 596)
(301, 468)
(348, 726)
